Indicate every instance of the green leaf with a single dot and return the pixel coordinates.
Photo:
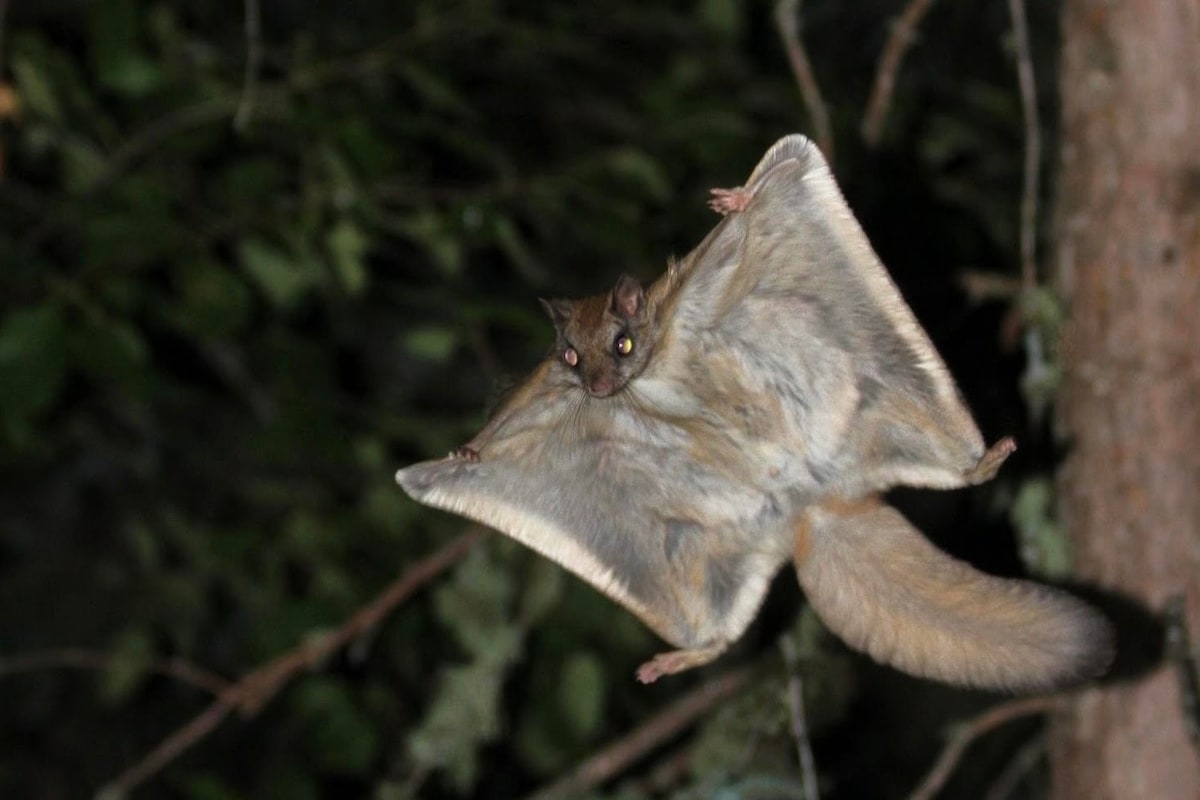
(722, 17)
(339, 172)
(134, 75)
(464, 716)
(386, 509)
(1045, 547)
(475, 606)
(289, 777)
(244, 183)
(543, 591)
(213, 303)
(437, 93)
(127, 668)
(117, 55)
(581, 693)
(347, 245)
(143, 545)
(282, 277)
(371, 453)
(513, 245)
(33, 361)
(433, 343)
(209, 786)
(35, 89)
(109, 350)
(341, 738)
(640, 168)
(555, 727)
(83, 166)
(430, 231)
(368, 151)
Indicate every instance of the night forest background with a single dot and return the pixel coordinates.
(256, 256)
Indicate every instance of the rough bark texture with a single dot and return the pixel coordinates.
(1129, 264)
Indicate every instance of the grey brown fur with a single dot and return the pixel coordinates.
(777, 383)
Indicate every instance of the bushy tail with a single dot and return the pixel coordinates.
(883, 588)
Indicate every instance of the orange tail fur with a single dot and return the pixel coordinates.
(883, 588)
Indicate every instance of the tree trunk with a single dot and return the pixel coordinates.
(1128, 254)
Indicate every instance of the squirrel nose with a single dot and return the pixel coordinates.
(601, 386)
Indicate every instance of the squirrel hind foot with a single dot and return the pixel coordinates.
(991, 461)
(678, 661)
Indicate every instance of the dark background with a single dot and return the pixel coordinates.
(229, 312)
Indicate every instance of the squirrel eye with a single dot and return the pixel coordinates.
(623, 345)
(570, 356)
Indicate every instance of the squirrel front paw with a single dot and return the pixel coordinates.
(464, 453)
(726, 201)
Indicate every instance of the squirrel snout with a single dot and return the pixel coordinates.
(601, 386)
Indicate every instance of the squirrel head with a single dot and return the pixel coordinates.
(604, 340)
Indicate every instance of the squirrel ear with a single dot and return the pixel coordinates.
(560, 311)
(628, 297)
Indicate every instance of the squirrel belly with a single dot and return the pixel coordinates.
(884, 589)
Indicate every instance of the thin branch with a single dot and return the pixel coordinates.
(255, 689)
(1026, 758)
(616, 757)
(804, 753)
(901, 38)
(668, 772)
(971, 730)
(1033, 144)
(168, 750)
(787, 19)
(99, 661)
(253, 26)
(161, 130)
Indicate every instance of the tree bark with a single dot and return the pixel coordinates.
(1128, 259)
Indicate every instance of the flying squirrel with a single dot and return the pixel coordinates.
(683, 440)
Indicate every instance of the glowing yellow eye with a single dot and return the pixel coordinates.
(623, 345)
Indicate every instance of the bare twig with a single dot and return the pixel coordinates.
(255, 689)
(971, 730)
(1030, 754)
(804, 753)
(616, 757)
(901, 38)
(668, 772)
(1033, 144)
(98, 661)
(168, 750)
(787, 19)
(161, 130)
(253, 26)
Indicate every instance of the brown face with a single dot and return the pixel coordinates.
(602, 373)
(604, 339)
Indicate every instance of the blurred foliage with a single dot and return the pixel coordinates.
(228, 311)
(1045, 547)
